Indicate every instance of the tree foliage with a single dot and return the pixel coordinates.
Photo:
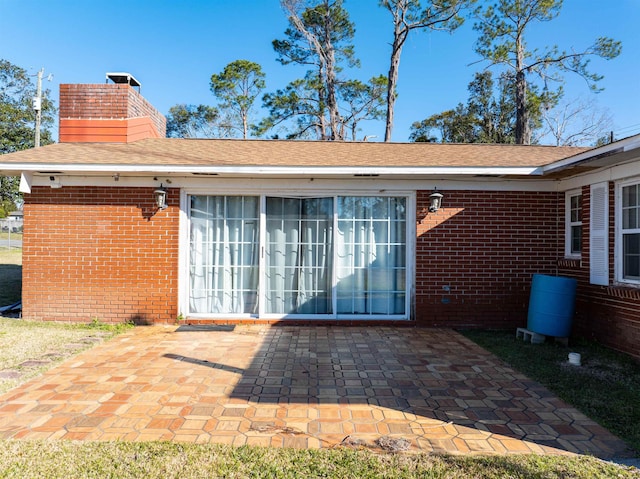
(503, 29)
(296, 111)
(319, 36)
(486, 117)
(193, 121)
(328, 103)
(17, 117)
(361, 101)
(409, 15)
(578, 122)
(237, 88)
(489, 116)
(17, 123)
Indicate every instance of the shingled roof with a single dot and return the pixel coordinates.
(280, 153)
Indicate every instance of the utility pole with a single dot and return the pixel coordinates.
(37, 106)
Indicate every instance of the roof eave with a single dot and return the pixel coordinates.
(79, 169)
(603, 156)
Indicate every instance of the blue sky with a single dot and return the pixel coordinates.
(173, 47)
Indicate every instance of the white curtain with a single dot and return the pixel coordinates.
(224, 254)
(371, 255)
(299, 255)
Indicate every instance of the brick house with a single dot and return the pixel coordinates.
(339, 232)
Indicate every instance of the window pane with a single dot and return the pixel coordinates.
(397, 254)
(575, 202)
(631, 256)
(250, 234)
(380, 208)
(290, 208)
(630, 196)
(234, 228)
(274, 207)
(234, 208)
(223, 254)
(299, 255)
(576, 239)
(372, 259)
(630, 207)
(576, 208)
(574, 216)
(632, 267)
(400, 279)
(398, 207)
(250, 206)
(345, 230)
(398, 232)
(629, 218)
(199, 206)
(632, 244)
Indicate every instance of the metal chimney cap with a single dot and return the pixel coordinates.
(123, 77)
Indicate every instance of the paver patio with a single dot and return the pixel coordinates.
(300, 386)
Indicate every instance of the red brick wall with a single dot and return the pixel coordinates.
(607, 314)
(476, 256)
(100, 252)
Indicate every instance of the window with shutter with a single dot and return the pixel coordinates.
(573, 224)
(628, 233)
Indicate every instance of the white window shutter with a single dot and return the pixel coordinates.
(599, 234)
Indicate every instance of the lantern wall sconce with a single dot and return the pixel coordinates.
(435, 201)
(160, 195)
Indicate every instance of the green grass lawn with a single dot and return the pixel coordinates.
(30, 348)
(150, 460)
(606, 387)
(13, 236)
(10, 275)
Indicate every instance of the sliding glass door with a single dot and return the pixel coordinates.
(299, 256)
(306, 257)
(371, 255)
(224, 254)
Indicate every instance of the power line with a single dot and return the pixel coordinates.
(627, 131)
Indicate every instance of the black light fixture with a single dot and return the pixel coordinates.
(160, 195)
(435, 201)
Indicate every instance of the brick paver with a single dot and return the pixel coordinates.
(426, 390)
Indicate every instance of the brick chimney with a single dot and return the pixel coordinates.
(108, 113)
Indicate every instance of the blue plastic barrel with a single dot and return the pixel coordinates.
(551, 305)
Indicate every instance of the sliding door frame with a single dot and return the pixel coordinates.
(262, 194)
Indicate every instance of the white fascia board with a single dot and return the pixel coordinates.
(273, 170)
(628, 144)
(614, 173)
(634, 145)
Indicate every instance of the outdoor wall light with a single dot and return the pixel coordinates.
(435, 201)
(54, 182)
(160, 195)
